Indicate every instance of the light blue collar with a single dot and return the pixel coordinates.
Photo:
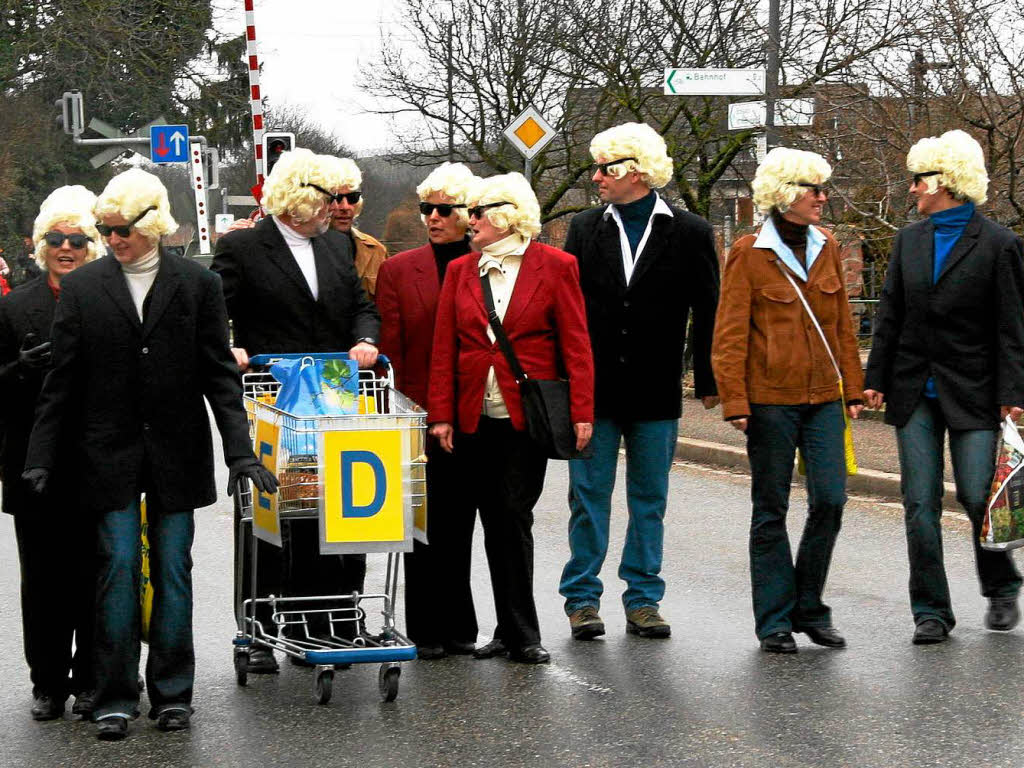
(769, 238)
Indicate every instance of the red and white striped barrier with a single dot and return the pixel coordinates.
(255, 99)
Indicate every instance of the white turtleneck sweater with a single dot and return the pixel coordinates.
(500, 261)
(140, 275)
(302, 249)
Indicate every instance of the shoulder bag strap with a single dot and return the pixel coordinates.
(821, 333)
(499, 331)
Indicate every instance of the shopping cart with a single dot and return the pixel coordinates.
(301, 451)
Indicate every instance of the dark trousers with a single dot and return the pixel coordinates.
(170, 668)
(294, 569)
(438, 594)
(505, 473)
(58, 567)
(787, 595)
(920, 442)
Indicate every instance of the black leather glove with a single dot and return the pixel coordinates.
(33, 354)
(254, 470)
(36, 479)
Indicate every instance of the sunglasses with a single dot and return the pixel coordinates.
(56, 240)
(817, 189)
(444, 210)
(478, 210)
(603, 167)
(351, 197)
(918, 177)
(123, 230)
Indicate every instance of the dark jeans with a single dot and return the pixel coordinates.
(504, 472)
(170, 669)
(920, 442)
(438, 593)
(58, 586)
(787, 596)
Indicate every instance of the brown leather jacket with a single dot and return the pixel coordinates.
(369, 255)
(766, 349)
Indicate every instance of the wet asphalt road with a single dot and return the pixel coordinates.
(705, 697)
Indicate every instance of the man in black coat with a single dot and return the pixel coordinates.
(948, 355)
(645, 268)
(291, 286)
(139, 340)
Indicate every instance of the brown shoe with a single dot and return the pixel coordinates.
(585, 623)
(645, 621)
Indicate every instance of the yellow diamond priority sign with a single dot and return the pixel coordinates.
(529, 133)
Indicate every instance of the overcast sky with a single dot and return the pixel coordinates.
(311, 51)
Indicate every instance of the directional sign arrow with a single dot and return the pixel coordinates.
(161, 149)
(177, 140)
(669, 81)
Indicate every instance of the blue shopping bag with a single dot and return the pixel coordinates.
(313, 387)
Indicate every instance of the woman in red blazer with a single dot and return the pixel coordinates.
(474, 404)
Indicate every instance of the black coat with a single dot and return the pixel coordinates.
(269, 301)
(638, 331)
(130, 395)
(27, 309)
(966, 330)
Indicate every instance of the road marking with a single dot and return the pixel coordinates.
(562, 673)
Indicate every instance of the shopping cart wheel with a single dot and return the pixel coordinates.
(387, 680)
(241, 666)
(322, 685)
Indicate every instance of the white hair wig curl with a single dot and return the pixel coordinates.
(777, 178)
(522, 214)
(637, 140)
(71, 206)
(130, 193)
(961, 162)
(452, 179)
(343, 173)
(285, 190)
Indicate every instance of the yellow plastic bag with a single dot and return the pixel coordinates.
(145, 585)
(851, 457)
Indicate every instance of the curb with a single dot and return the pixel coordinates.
(867, 482)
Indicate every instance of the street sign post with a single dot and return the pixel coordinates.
(198, 178)
(529, 133)
(788, 112)
(169, 144)
(714, 82)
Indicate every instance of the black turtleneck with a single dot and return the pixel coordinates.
(444, 253)
(794, 235)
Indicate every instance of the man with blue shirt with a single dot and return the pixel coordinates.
(644, 265)
(948, 356)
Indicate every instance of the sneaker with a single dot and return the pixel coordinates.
(112, 728)
(585, 623)
(645, 621)
(1003, 614)
(173, 720)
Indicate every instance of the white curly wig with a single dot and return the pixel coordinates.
(452, 179)
(343, 173)
(283, 190)
(776, 181)
(961, 162)
(72, 206)
(130, 193)
(522, 215)
(637, 140)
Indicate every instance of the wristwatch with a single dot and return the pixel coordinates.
(367, 340)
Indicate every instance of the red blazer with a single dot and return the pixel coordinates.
(545, 321)
(407, 293)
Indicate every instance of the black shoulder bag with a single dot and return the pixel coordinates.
(545, 402)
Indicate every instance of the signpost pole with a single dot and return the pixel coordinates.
(199, 187)
(772, 73)
(528, 171)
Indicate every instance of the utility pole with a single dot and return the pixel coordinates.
(451, 104)
(771, 74)
(918, 68)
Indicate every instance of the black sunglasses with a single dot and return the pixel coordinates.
(817, 189)
(443, 209)
(56, 239)
(603, 167)
(924, 175)
(123, 230)
(351, 197)
(478, 210)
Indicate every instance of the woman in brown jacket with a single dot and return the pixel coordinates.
(779, 384)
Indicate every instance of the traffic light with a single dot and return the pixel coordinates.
(71, 116)
(274, 143)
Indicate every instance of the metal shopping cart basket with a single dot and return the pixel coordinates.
(363, 476)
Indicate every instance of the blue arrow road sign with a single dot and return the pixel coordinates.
(168, 143)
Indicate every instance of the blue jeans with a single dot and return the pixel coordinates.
(920, 442)
(170, 669)
(787, 595)
(650, 446)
